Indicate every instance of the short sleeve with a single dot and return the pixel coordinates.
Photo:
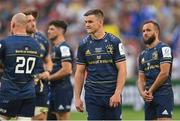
(140, 63)
(165, 55)
(66, 54)
(80, 55)
(2, 46)
(119, 51)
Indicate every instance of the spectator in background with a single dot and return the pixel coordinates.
(176, 41)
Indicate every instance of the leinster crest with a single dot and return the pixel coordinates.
(109, 49)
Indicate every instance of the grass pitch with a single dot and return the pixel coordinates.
(128, 114)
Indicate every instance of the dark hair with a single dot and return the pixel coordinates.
(96, 12)
(32, 12)
(59, 24)
(154, 23)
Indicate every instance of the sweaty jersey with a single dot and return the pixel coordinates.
(20, 57)
(61, 53)
(100, 58)
(149, 64)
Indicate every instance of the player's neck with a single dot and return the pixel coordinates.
(59, 40)
(99, 34)
(20, 33)
(154, 43)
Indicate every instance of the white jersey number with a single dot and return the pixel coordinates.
(25, 65)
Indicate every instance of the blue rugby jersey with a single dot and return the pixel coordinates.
(20, 57)
(100, 57)
(149, 64)
(61, 53)
(44, 47)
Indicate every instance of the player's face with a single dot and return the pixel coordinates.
(92, 24)
(52, 32)
(31, 24)
(149, 33)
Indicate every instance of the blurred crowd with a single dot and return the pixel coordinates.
(123, 18)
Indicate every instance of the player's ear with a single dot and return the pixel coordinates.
(13, 25)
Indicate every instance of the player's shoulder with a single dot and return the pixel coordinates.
(40, 36)
(85, 40)
(112, 38)
(163, 47)
(163, 44)
(142, 53)
(64, 44)
(14, 38)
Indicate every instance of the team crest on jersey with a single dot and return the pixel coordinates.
(88, 52)
(42, 46)
(155, 55)
(109, 49)
(142, 60)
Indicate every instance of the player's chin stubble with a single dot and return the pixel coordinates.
(150, 40)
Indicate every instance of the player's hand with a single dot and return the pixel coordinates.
(115, 100)
(44, 75)
(79, 105)
(147, 96)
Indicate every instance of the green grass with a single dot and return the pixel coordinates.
(128, 114)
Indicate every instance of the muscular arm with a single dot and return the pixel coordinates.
(79, 80)
(48, 63)
(115, 100)
(64, 71)
(141, 83)
(162, 77)
(122, 73)
(141, 86)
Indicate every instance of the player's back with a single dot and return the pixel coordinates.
(20, 56)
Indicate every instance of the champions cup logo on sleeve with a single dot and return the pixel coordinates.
(121, 49)
(65, 51)
(166, 52)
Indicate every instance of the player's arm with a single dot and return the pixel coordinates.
(166, 59)
(141, 82)
(162, 76)
(141, 86)
(115, 100)
(48, 65)
(122, 73)
(66, 70)
(79, 81)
